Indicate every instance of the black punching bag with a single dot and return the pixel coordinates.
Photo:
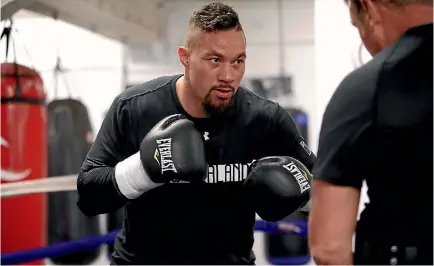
(70, 138)
(290, 249)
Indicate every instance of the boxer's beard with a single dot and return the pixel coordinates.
(215, 109)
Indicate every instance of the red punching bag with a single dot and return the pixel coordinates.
(23, 157)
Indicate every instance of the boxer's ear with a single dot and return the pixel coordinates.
(183, 55)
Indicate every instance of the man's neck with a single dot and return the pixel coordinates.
(188, 101)
(408, 17)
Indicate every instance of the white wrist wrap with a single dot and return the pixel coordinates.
(131, 177)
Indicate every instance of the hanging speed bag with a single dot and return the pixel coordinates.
(23, 157)
(70, 138)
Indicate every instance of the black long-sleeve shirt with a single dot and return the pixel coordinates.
(181, 223)
(378, 128)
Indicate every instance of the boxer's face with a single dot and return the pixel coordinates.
(216, 64)
(365, 20)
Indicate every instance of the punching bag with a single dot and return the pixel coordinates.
(70, 138)
(290, 249)
(23, 157)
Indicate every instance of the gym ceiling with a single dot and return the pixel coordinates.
(129, 21)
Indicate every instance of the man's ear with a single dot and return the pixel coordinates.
(370, 8)
(183, 55)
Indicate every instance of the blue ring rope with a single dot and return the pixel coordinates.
(92, 242)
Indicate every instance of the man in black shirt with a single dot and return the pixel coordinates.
(210, 222)
(378, 128)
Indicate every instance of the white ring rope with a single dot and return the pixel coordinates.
(49, 184)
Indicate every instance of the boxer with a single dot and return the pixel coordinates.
(192, 157)
(378, 128)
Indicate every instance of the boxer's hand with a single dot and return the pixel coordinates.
(172, 150)
(278, 186)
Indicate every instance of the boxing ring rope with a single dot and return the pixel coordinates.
(68, 183)
(52, 184)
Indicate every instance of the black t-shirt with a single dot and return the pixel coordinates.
(181, 223)
(378, 127)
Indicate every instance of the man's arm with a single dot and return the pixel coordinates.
(288, 140)
(332, 221)
(97, 189)
(342, 164)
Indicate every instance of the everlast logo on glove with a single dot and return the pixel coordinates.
(163, 155)
(278, 181)
(299, 176)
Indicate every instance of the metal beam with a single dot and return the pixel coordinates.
(108, 17)
(10, 7)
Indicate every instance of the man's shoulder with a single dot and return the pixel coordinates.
(366, 80)
(151, 98)
(360, 84)
(148, 89)
(393, 63)
(257, 106)
(355, 94)
(412, 50)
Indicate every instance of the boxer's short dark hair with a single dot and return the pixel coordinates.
(215, 16)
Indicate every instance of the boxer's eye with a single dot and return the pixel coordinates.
(215, 60)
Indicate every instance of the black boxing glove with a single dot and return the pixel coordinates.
(172, 150)
(278, 186)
